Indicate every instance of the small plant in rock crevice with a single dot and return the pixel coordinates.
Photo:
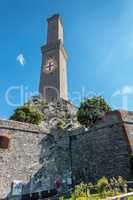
(61, 125)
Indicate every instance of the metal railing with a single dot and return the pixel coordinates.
(123, 196)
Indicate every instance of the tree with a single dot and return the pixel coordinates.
(28, 113)
(91, 110)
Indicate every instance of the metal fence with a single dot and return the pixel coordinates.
(121, 197)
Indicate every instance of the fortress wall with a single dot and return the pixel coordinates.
(84, 155)
(14, 125)
(127, 119)
(32, 153)
(21, 159)
(102, 151)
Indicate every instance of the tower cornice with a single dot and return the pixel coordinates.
(58, 45)
(55, 17)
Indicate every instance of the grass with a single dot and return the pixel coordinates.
(94, 197)
(97, 197)
(130, 198)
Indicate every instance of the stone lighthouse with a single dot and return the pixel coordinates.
(53, 79)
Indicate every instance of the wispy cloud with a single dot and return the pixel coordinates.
(21, 59)
(125, 90)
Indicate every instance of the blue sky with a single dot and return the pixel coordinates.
(98, 38)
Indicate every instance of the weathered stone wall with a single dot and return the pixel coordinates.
(83, 155)
(38, 150)
(88, 154)
(34, 156)
(127, 119)
(20, 160)
(101, 151)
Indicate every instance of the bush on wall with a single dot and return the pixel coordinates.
(28, 113)
(91, 110)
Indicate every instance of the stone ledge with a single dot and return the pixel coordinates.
(20, 126)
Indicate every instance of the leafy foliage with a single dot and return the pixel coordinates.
(111, 187)
(102, 184)
(81, 190)
(91, 110)
(61, 124)
(28, 113)
(103, 188)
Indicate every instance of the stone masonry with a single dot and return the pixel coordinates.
(42, 157)
(53, 78)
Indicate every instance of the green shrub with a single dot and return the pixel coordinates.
(102, 184)
(61, 124)
(28, 113)
(117, 185)
(91, 110)
(104, 188)
(81, 190)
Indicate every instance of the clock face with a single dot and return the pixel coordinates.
(50, 65)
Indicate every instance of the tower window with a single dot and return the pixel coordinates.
(4, 142)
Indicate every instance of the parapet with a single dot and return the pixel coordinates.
(19, 126)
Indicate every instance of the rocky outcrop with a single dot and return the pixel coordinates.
(56, 112)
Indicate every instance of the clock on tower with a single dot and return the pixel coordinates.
(53, 79)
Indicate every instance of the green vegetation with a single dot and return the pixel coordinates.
(102, 189)
(102, 184)
(92, 197)
(28, 113)
(61, 125)
(91, 110)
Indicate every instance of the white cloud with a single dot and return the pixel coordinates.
(125, 90)
(116, 93)
(21, 59)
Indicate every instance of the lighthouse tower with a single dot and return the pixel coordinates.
(53, 79)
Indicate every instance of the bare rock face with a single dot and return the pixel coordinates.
(61, 114)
